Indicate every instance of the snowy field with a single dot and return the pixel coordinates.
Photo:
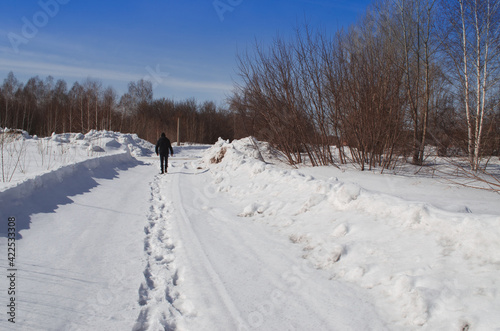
(231, 239)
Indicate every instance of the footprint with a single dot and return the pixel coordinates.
(340, 231)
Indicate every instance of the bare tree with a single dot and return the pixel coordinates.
(76, 96)
(47, 107)
(414, 31)
(9, 88)
(313, 91)
(109, 101)
(60, 101)
(472, 45)
(93, 89)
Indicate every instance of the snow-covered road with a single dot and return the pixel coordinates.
(209, 269)
(122, 247)
(79, 265)
(225, 241)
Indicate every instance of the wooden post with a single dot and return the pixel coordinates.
(178, 130)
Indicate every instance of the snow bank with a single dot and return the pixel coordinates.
(110, 139)
(46, 180)
(426, 267)
(26, 157)
(34, 166)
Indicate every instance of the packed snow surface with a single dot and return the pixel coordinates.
(233, 239)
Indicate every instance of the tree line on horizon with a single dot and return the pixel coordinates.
(43, 107)
(409, 74)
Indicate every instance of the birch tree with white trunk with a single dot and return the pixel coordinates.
(472, 45)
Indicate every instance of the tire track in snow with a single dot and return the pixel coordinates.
(158, 293)
(243, 277)
(196, 250)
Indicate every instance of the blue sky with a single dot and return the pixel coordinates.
(187, 48)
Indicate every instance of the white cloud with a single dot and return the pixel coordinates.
(196, 85)
(44, 68)
(80, 72)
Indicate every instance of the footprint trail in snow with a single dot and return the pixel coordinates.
(158, 296)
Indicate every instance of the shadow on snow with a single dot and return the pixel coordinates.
(44, 194)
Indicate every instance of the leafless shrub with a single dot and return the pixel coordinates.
(460, 172)
(313, 92)
(12, 150)
(381, 90)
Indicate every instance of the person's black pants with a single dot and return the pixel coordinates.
(163, 162)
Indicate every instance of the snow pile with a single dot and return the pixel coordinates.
(424, 266)
(114, 140)
(26, 157)
(31, 165)
(240, 151)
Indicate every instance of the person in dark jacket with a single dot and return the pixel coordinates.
(162, 147)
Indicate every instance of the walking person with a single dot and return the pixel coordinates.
(162, 148)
